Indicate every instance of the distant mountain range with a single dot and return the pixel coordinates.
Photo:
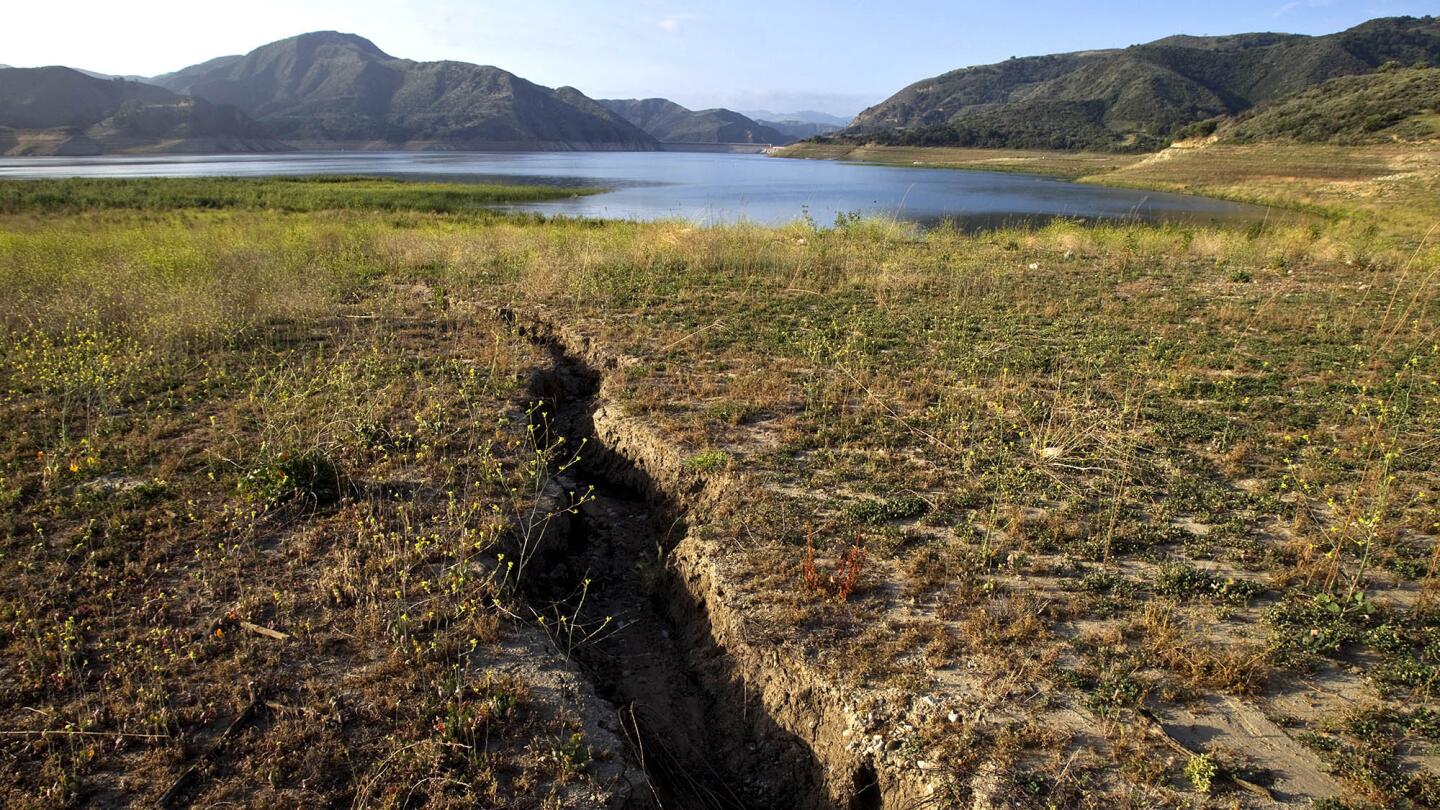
(802, 117)
(799, 130)
(327, 90)
(669, 122)
(1135, 98)
(800, 125)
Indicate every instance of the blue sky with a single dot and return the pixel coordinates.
(836, 56)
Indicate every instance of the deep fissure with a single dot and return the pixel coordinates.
(703, 738)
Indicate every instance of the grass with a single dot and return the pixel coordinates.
(1370, 193)
(708, 461)
(1039, 474)
(282, 194)
(216, 424)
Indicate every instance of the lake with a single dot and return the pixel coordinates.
(705, 188)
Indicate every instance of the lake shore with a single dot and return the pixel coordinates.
(703, 188)
(1391, 185)
(1068, 165)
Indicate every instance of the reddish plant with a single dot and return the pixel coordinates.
(812, 576)
(846, 577)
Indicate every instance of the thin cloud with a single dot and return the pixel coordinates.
(675, 22)
(1294, 5)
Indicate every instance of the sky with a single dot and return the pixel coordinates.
(838, 56)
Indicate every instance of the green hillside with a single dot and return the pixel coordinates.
(1397, 104)
(57, 110)
(1137, 98)
(331, 87)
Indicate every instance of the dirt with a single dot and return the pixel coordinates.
(719, 719)
(715, 722)
(1226, 719)
(638, 633)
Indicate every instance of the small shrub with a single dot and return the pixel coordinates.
(732, 413)
(905, 507)
(1102, 582)
(1306, 625)
(1181, 579)
(1114, 689)
(9, 495)
(310, 476)
(1201, 770)
(565, 759)
(1199, 129)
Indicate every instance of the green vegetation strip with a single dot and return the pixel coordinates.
(284, 194)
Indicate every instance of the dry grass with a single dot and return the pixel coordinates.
(1065, 452)
(227, 424)
(1370, 193)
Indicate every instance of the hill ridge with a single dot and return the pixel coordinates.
(1135, 98)
(60, 110)
(670, 122)
(329, 87)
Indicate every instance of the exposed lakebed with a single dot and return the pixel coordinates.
(705, 188)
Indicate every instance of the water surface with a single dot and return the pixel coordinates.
(702, 187)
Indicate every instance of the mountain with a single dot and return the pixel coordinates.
(801, 117)
(97, 75)
(1135, 98)
(180, 77)
(669, 122)
(800, 130)
(1393, 104)
(800, 125)
(57, 110)
(333, 89)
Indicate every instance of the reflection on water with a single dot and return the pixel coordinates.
(701, 187)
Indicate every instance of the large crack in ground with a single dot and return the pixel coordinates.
(693, 726)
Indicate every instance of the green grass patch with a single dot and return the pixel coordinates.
(708, 461)
(296, 194)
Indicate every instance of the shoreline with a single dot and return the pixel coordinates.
(1069, 165)
(1355, 186)
(35, 144)
(1362, 184)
